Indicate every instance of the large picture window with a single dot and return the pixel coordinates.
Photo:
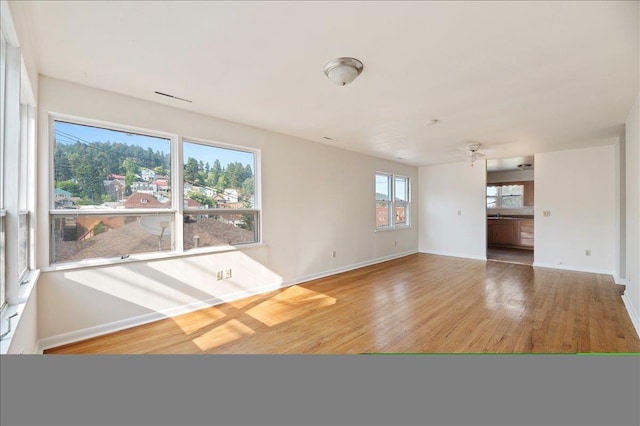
(114, 194)
(392, 201)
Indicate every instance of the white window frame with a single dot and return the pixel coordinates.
(177, 196)
(393, 202)
(257, 209)
(17, 163)
(499, 196)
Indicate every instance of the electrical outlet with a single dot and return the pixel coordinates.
(333, 253)
(227, 273)
(219, 275)
(546, 213)
(459, 212)
(587, 252)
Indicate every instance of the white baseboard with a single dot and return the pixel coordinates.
(454, 254)
(633, 314)
(102, 329)
(573, 268)
(351, 267)
(620, 280)
(99, 330)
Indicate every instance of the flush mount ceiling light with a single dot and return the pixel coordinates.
(343, 71)
(526, 166)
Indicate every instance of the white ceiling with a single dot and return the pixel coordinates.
(516, 77)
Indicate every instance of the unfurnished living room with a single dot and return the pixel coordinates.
(279, 212)
(320, 178)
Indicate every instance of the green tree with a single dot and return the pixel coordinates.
(247, 188)
(191, 170)
(61, 165)
(70, 186)
(160, 170)
(222, 183)
(130, 166)
(129, 178)
(216, 171)
(201, 198)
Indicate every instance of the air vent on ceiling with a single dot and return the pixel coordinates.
(172, 96)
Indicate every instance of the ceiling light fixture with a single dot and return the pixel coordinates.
(525, 166)
(432, 122)
(343, 71)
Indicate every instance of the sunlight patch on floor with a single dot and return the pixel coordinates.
(194, 321)
(289, 304)
(228, 332)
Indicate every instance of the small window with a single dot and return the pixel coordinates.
(392, 196)
(505, 196)
(383, 201)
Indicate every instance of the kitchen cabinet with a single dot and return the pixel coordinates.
(512, 232)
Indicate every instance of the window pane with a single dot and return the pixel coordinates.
(216, 177)
(510, 201)
(383, 218)
(402, 188)
(210, 229)
(111, 168)
(23, 243)
(492, 191)
(512, 190)
(383, 187)
(401, 214)
(78, 237)
(492, 202)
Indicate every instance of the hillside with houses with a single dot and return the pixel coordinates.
(106, 179)
(115, 175)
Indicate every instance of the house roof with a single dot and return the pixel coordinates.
(141, 200)
(188, 202)
(61, 193)
(132, 238)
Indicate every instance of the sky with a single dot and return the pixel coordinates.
(69, 133)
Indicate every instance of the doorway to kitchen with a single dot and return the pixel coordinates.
(510, 210)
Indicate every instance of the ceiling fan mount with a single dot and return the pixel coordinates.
(472, 150)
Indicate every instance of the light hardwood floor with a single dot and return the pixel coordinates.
(513, 255)
(417, 304)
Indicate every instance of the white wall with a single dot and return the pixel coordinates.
(578, 188)
(446, 190)
(316, 199)
(632, 145)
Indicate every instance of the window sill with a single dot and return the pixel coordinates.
(148, 256)
(395, 228)
(24, 293)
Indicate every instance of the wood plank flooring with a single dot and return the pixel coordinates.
(513, 255)
(417, 304)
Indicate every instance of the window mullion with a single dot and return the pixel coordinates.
(177, 188)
